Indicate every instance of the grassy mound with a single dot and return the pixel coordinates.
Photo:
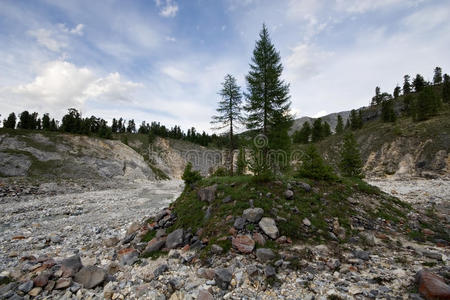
(351, 203)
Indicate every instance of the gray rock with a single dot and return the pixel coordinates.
(16, 297)
(129, 238)
(160, 233)
(265, 254)
(90, 276)
(269, 271)
(289, 195)
(239, 223)
(129, 258)
(153, 246)
(306, 222)
(216, 249)
(269, 227)
(252, 270)
(223, 278)
(160, 270)
(175, 239)
(227, 199)
(207, 194)
(7, 287)
(26, 286)
(253, 215)
(364, 255)
(433, 255)
(204, 295)
(208, 213)
(304, 186)
(70, 266)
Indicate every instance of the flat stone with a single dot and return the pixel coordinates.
(204, 295)
(269, 227)
(223, 278)
(26, 286)
(50, 285)
(63, 283)
(154, 245)
(253, 215)
(128, 256)
(239, 223)
(432, 286)
(41, 280)
(175, 239)
(91, 276)
(265, 254)
(111, 242)
(269, 271)
(306, 222)
(133, 228)
(243, 243)
(216, 249)
(70, 266)
(364, 255)
(207, 194)
(35, 291)
(259, 238)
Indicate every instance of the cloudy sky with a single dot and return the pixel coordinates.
(164, 60)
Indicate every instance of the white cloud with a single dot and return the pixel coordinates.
(363, 6)
(305, 61)
(56, 38)
(168, 8)
(320, 114)
(60, 85)
(176, 73)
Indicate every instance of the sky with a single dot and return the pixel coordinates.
(165, 60)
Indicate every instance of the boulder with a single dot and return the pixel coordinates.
(26, 286)
(259, 238)
(265, 254)
(133, 228)
(253, 215)
(160, 270)
(216, 249)
(41, 280)
(289, 195)
(243, 243)
(432, 286)
(239, 223)
(70, 266)
(207, 194)
(269, 227)
(204, 295)
(306, 222)
(175, 239)
(90, 276)
(306, 187)
(128, 256)
(154, 245)
(269, 271)
(223, 278)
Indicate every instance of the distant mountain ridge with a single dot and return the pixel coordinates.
(331, 119)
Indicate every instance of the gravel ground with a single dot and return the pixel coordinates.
(61, 224)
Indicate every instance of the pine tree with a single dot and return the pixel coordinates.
(326, 130)
(190, 176)
(313, 166)
(419, 83)
(348, 125)
(397, 92)
(446, 89)
(46, 122)
(229, 112)
(406, 85)
(437, 78)
(426, 105)
(340, 125)
(350, 164)
(317, 131)
(267, 100)
(131, 128)
(354, 120)
(10, 122)
(387, 111)
(302, 136)
(241, 163)
(408, 103)
(377, 98)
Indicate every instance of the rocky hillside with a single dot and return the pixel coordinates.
(330, 119)
(49, 155)
(403, 148)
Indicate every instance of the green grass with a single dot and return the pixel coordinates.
(148, 236)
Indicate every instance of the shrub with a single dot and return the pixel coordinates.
(220, 172)
(350, 164)
(190, 176)
(241, 162)
(314, 167)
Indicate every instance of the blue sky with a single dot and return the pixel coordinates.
(164, 60)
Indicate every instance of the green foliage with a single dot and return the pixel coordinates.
(437, 77)
(446, 89)
(387, 111)
(190, 176)
(426, 105)
(419, 83)
(10, 122)
(314, 167)
(397, 91)
(229, 111)
(408, 104)
(356, 120)
(317, 130)
(406, 85)
(241, 163)
(340, 125)
(326, 130)
(220, 172)
(350, 164)
(302, 136)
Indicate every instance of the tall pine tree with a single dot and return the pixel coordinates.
(406, 85)
(340, 125)
(229, 111)
(446, 89)
(437, 78)
(350, 164)
(267, 99)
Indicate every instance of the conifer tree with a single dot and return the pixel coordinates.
(397, 92)
(326, 130)
(267, 98)
(131, 128)
(437, 78)
(46, 122)
(387, 111)
(427, 104)
(446, 89)
(419, 83)
(10, 122)
(377, 98)
(241, 163)
(408, 103)
(302, 136)
(317, 130)
(313, 166)
(340, 125)
(350, 164)
(229, 112)
(406, 85)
